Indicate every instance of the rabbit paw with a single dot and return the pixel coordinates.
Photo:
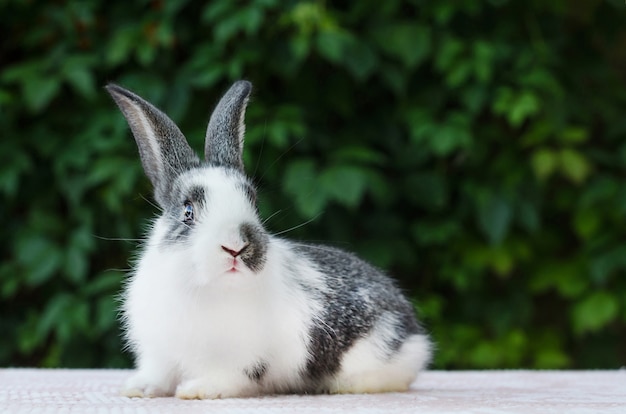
(200, 389)
(208, 389)
(139, 386)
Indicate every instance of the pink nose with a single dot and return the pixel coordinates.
(233, 253)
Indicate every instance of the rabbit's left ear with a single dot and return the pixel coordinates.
(225, 133)
(163, 149)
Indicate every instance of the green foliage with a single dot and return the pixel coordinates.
(474, 149)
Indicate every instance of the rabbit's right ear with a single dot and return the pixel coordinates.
(163, 149)
(225, 133)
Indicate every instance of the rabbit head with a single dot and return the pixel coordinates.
(209, 222)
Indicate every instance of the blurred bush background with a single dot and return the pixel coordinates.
(475, 149)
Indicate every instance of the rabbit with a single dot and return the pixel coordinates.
(216, 307)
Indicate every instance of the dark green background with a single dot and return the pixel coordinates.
(475, 149)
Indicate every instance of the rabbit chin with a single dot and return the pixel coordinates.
(222, 271)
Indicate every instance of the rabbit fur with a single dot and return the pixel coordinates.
(216, 307)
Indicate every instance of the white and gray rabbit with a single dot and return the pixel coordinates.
(216, 307)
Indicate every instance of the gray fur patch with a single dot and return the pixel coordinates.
(197, 195)
(248, 189)
(255, 255)
(257, 371)
(357, 296)
(178, 230)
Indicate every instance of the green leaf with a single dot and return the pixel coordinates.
(574, 135)
(342, 48)
(106, 314)
(444, 138)
(494, 218)
(146, 54)
(539, 133)
(434, 233)
(459, 73)
(448, 53)
(358, 154)
(216, 10)
(39, 91)
(333, 45)
(55, 311)
(301, 182)
(448, 138)
(346, 184)
(285, 125)
(474, 98)
(395, 78)
(551, 359)
(76, 264)
(121, 45)
(82, 80)
(408, 42)
(105, 169)
(568, 278)
(516, 106)
(300, 46)
(105, 283)
(9, 280)
(427, 190)
(587, 223)
(594, 312)
(360, 59)
(40, 257)
(528, 215)
(27, 335)
(208, 77)
(574, 165)
(523, 107)
(483, 61)
(544, 162)
(500, 259)
(607, 264)
(308, 17)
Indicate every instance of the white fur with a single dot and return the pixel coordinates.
(364, 370)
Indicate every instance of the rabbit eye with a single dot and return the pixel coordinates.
(188, 213)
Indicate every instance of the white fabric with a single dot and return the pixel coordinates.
(97, 391)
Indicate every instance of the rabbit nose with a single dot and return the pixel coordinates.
(234, 252)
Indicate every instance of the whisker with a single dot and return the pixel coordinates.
(151, 203)
(299, 225)
(272, 215)
(281, 156)
(321, 245)
(115, 238)
(258, 160)
(119, 270)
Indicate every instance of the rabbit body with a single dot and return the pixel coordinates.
(216, 307)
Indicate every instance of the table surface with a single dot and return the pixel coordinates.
(97, 391)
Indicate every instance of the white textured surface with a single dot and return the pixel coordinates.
(97, 391)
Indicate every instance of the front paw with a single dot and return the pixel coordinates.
(208, 389)
(140, 386)
(198, 389)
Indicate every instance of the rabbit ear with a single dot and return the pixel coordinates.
(163, 149)
(224, 136)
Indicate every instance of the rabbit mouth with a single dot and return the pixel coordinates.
(235, 266)
(241, 265)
